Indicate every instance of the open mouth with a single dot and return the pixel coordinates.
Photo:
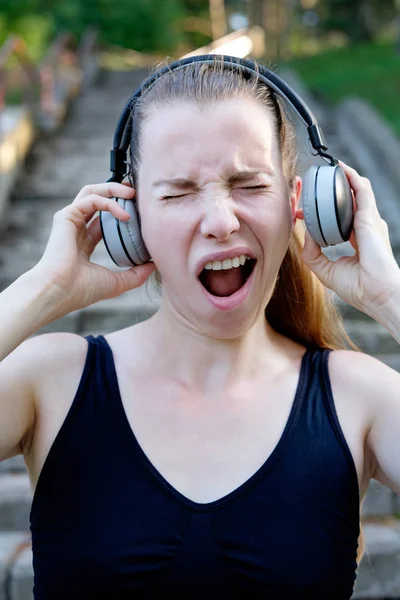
(226, 282)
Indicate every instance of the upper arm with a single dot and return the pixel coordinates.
(370, 393)
(24, 375)
(384, 435)
(17, 414)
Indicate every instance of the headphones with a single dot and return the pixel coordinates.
(326, 196)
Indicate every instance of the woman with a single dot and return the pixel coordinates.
(225, 444)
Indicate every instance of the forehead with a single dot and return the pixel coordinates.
(236, 132)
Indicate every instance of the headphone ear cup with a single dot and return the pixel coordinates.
(327, 205)
(123, 239)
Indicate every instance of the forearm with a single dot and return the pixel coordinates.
(25, 306)
(389, 314)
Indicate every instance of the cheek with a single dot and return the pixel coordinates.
(166, 237)
(272, 217)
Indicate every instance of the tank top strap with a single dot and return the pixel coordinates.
(318, 412)
(100, 372)
(97, 399)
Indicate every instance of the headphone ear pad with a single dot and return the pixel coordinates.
(132, 235)
(123, 239)
(309, 205)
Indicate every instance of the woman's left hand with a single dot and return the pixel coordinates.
(370, 279)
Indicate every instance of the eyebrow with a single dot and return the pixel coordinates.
(240, 177)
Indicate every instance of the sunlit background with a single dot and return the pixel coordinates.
(340, 46)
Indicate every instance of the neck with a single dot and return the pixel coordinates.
(208, 363)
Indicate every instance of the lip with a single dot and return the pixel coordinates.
(223, 256)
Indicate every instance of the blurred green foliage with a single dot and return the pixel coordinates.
(360, 20)
(366, 70)
(143, 25)
(176, 26)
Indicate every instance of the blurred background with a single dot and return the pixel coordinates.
(339, 46)
(67, 68)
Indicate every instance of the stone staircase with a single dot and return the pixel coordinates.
(56, 170)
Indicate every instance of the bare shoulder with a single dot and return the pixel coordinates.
(361, 377)
(40, 373)
(40, 355)
(56, 363)
(45, 355)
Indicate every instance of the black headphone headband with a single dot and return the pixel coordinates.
(249, 69)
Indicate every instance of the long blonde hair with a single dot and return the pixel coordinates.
(301, 308)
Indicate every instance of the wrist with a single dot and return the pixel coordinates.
(25, 307)
(37, 301)
(47, 300)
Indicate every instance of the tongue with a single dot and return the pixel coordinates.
(224, 282)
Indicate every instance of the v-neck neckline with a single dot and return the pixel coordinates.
(266, 466)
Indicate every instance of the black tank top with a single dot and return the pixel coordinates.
(106, 524)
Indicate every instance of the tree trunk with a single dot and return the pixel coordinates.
(218, 18)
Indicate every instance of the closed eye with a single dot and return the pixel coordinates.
(253, 187)
(249, 187)
(172, 197)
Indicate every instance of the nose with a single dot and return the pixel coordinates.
(219, 219)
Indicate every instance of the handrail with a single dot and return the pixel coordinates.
(240, 43)
(53, 90)
(57, 49)
(52, 82)
(88, 55)
(15, 46)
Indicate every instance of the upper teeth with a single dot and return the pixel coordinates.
(228, 263)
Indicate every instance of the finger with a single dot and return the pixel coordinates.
(110, 189)
(316, 260)
(93, 203)
(94, 233)
(134, 277)
(361, 186)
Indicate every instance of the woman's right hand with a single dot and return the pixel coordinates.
(75, 234)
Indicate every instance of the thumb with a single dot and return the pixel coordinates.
(135, 277)
(316, 260)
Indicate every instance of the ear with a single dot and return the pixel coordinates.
(295, 197)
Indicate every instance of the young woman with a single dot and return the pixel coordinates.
(225, 444)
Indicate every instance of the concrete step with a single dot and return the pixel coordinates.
(378, 575)
(79, 153)
(391, 360)
(379, 501)
(16, 573)
(371, 337)
(16, 464)
(15, 501)
(21, 575)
